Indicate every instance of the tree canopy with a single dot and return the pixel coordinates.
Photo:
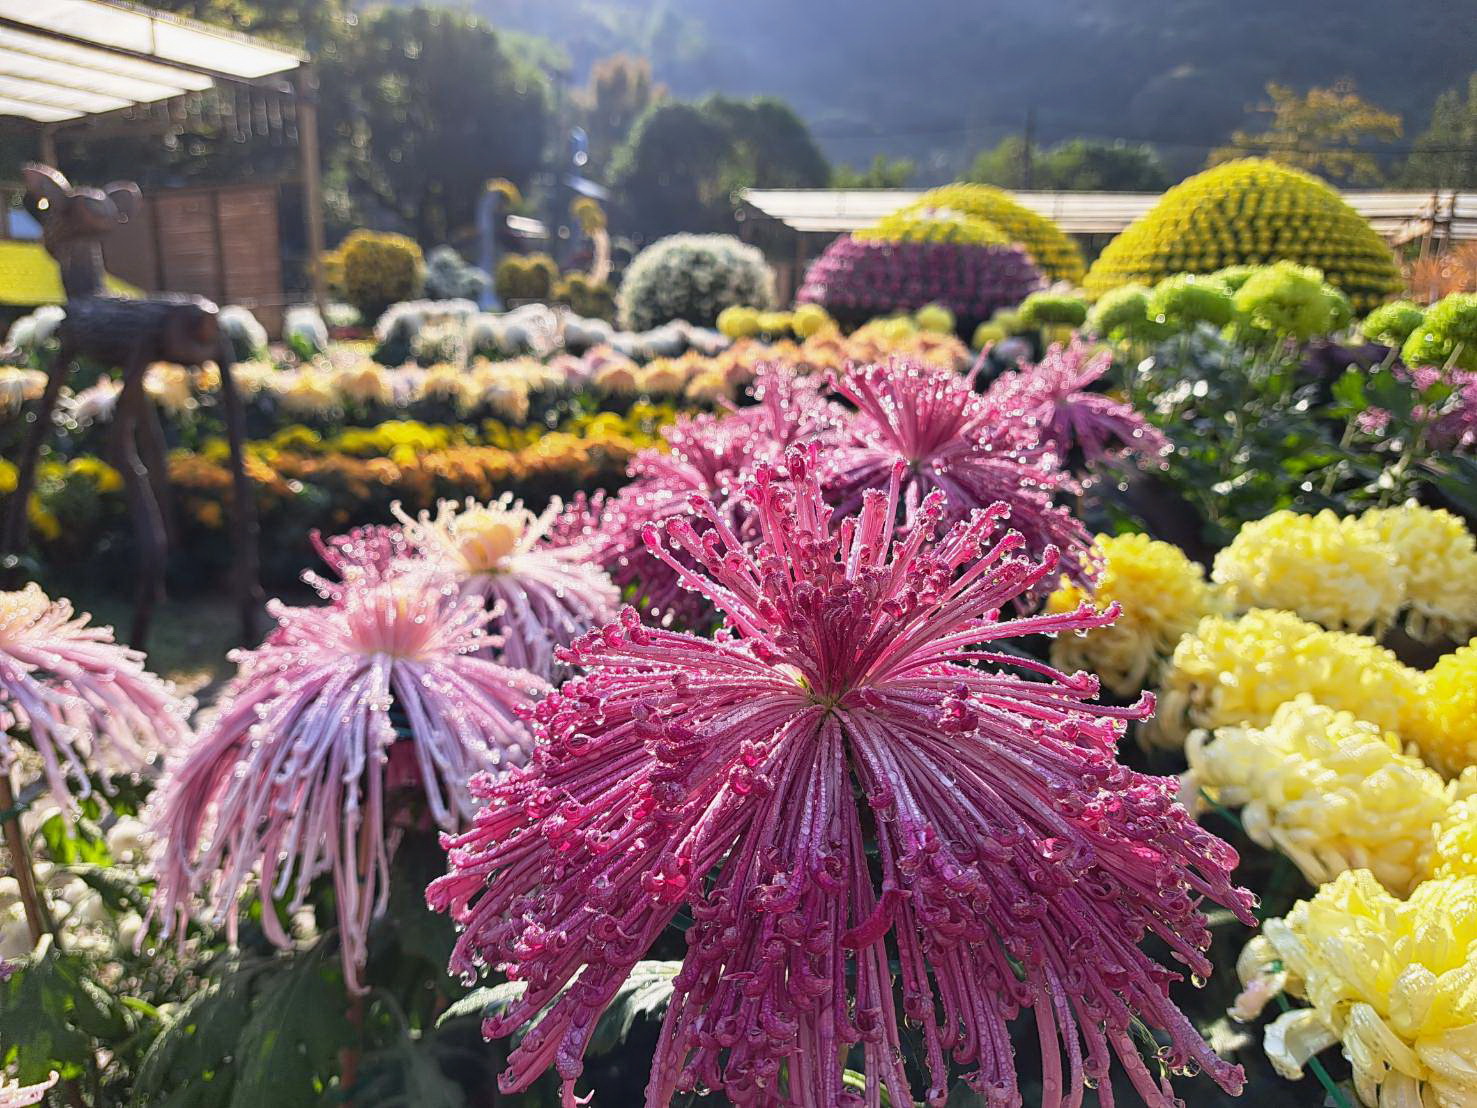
(1080, 165)
(1445, 154)
(1325, 131)
(683, 162)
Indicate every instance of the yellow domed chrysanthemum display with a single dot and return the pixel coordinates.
(1250, 212)
(1447, 728)
(1054, 252)
(1163, 594)
(1241, 670)
(1330, 791)
(1325, 568)
(1394, 982)
(919, 224)
(1439, 557)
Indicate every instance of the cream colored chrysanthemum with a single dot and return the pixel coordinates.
(1330, 791)
(663, 377)
(447, 382)
(170, 386)
(472, 538)
(363, 384)
(709, 387)
(1455, 851)
(19, 386)
(306, 392)
(1163, 595)
(616, 379)
(1446, 730)
(1327, 569)
(1439, 557)
(1241, 670)
(1394, 982)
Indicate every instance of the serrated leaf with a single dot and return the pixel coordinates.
(50, 1012)
(188, 1064)
(290, 1044)
(487, 1001)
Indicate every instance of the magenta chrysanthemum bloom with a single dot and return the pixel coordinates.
(81, 698)
(294, 777)
(1075, 421)
(950, 438)
(543, 594)
(848, 792)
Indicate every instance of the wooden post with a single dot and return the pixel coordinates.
(307, 142)
(48, 146)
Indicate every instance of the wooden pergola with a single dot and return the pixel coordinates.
(104, 68)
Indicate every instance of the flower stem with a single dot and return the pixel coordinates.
(38, 919)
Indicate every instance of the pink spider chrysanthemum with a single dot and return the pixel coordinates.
(847, 791)
(365, 554)
(296, 775)
(544, 594)
(1073, 420)
(950, 438)
(81, 699)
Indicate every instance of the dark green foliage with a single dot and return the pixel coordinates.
(683, 162)
(1081, 164)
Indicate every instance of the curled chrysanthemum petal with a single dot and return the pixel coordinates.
(1077, 422)
(15, 1095)
(1439, 558)
(1162, 595)
(295, 777)
(1328, 569)
(1331, 792)
(848, 791)
(1392, 981)
(82, 700)
(544, 594)
(1241, 670)
(946, 437)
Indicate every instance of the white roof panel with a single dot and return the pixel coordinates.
(63, 59)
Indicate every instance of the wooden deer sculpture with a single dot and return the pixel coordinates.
(130, 335)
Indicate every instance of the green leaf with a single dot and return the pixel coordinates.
(189, 1064)
(488, 1001)
(858, 1081)
(290, 1044)
(51, 1011)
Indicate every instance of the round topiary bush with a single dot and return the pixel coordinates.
(1251, 212)
(1054, 252)
(693, 278)
(857, 279)
(919, 224)
(379, 269)
(587, 298)
(526, 277)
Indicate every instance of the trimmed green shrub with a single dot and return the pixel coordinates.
(526, 277)
(379, 269)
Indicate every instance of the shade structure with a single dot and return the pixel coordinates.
(62, 60)
(1398, 216)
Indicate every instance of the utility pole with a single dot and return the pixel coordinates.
(1029, 148)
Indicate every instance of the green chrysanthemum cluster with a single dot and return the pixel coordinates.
(933, 225)
(1251, 212)
(1055, 253)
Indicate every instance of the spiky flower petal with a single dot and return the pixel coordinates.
(81, 699)
(293, 778)
(544, 594)
(1162, 595)
(14, 1095)
(949, 438)
(846, 789)
(1076, 421)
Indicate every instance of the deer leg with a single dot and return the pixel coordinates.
(13, 533)
(148, 523)
(245, 531)
(156, 460)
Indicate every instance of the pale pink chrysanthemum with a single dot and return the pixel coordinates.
(847, 791)
(295, 776)
(1074, 420)
(365, 554)
(82, 700)
(543, 594)
(15, 1095)
(950, 438)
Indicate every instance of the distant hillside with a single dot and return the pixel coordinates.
(938, 79)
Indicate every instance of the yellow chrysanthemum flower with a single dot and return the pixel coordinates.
(1330, 791)
(1241, 670)
(1446, 730)
(1163, 595)
(1327, 569)
(1455, 851)
(1439, 557)
(1394, 982)
(170, 386)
